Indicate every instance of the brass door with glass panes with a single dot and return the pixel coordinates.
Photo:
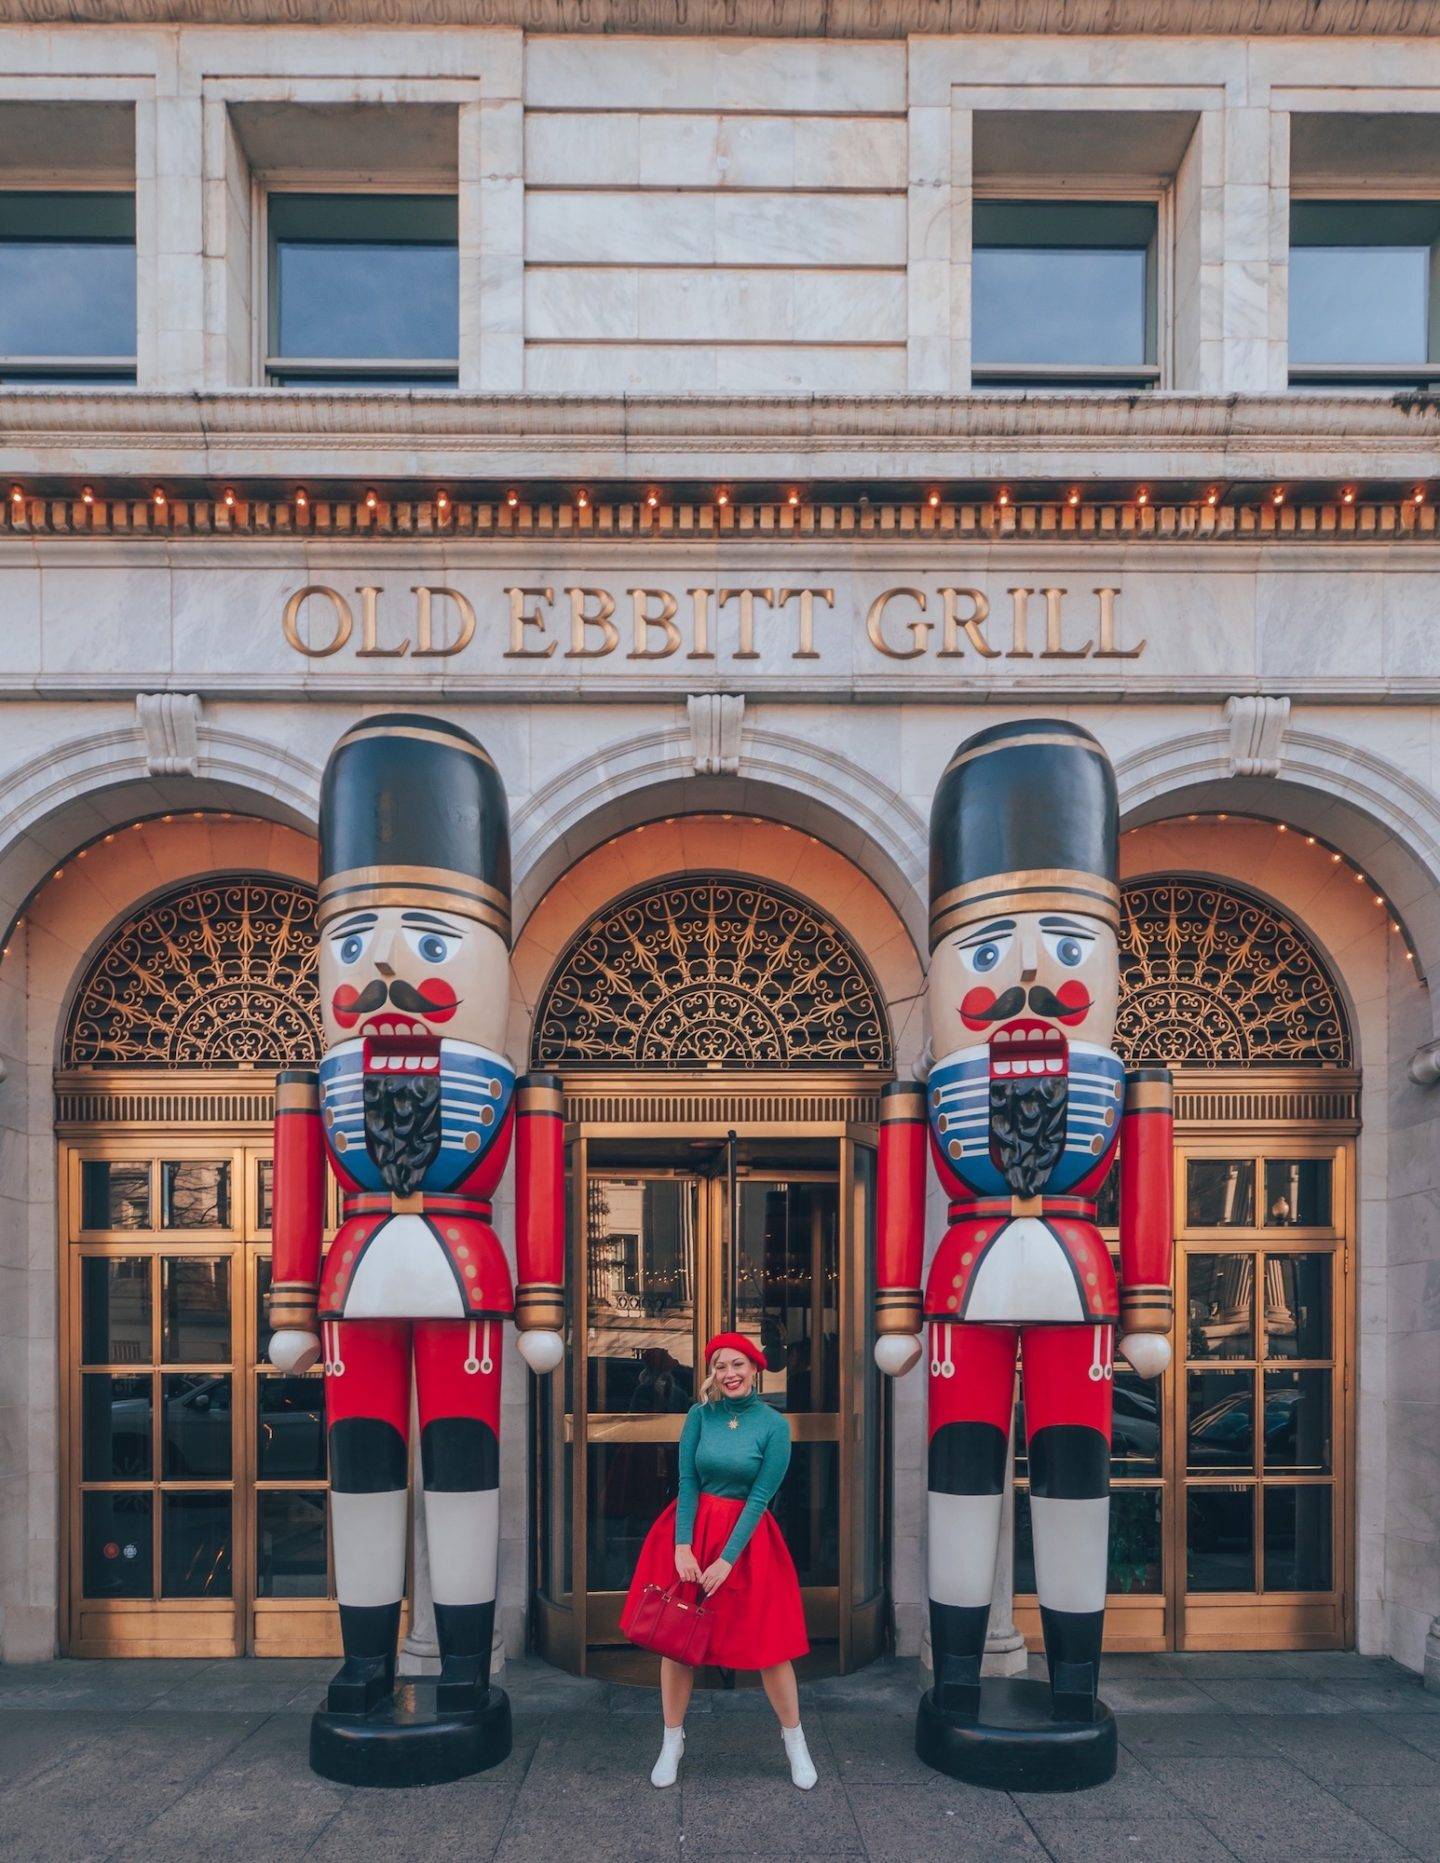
(673, 1240)
(194, 1473)
(1230, 1512)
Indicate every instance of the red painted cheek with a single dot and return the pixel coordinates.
(975, 1007)
(440, 999)
(1075, 1001)
(342, 1005)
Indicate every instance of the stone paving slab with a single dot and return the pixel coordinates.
(1231, 1755)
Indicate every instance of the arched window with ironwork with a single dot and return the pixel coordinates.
(711, 971)
(217, 973)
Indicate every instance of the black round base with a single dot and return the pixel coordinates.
(1016, 1746)
(404, 1742)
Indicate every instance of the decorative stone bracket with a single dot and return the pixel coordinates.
(1257, 731)
(715, 721)
(169, 723)
(1425, 1072)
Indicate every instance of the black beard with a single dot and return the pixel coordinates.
(1027, 1129)
(402, 1127)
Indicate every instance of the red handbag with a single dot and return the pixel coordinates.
(662, 1623)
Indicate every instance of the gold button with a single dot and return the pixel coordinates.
(954, 1148)
(1090, 1278)
(494, 1089)
(341, 1142)
(471, 1270)
(1097, 1144)
(487, 1115)
(349, 1255)
(462, 1251)
(452, 1235)
(940, 1123)
(1109, 1115)
(957, 1280)
(472, 1141)
(329, 1115)
(953, 1301)
(935, 1097)
(966, 1259)
(982, 1235)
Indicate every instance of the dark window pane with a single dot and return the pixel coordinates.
(787, 1289)
(1297, 1306)
(1297, 1421)
(630, 1483)
(1135, 1543)
(1220, 1306)
(290, 1545)
(195, 1196)
(196, 1427)
(1360, 281)
(1220, 1193)
(1107, 1200)
(365, 277)
(1136, 1426)
(1024, 1544)
(1220, 1539)
(115, 1310)
(1062, 283)
(114, 1196)
(264, 1191)
(1297, 1192)
(117, 1546)
(67, 274)
(195, 1550)
(265, 1273)
(640, 1265)
(290, 1432)
(1297, 1539)
(194, 1311)
(116, 1427)
(1220, 1421)
(808, 1509)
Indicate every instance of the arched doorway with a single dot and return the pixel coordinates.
(1232, 1509)
(194, 1475)
(723, 1042)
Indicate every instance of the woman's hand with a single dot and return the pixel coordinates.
(714, 1576)
(687, 1566)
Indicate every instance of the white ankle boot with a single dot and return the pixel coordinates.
(672, 1750)
(802, 1767)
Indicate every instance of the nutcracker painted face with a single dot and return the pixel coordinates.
(414, 919)
(1023, 925)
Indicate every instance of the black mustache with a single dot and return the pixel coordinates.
(1001, 1010)
(1044, 1002)
(403, 995)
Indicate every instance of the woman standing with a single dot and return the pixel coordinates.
(734, 1451)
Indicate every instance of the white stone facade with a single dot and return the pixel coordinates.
(728, 260)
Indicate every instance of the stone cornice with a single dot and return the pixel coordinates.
(71, 436)
(777, 19)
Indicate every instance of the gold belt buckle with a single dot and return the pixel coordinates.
(412, 1205)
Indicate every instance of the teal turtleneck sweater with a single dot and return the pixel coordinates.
(745, 1463)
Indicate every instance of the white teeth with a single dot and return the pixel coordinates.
(1002, 1067)
(387, 1028)
(431, 1061)
(1052, 1066)
(1035, 1035)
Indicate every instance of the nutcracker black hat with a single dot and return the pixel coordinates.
(1025, 819)
(413, 812)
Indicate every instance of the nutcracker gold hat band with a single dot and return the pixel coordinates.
(413, 813)
(1025, 819)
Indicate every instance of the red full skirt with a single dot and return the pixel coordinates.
(758, 1617)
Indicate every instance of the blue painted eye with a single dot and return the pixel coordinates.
(986, 957)
(350, 948)
(1070, 951)
(434, 950)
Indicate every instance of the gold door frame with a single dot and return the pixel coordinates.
(687, 1108)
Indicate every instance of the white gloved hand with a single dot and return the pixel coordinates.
(895, 1353)
(293, 1351)
(1147, 1353)
(542, 1351)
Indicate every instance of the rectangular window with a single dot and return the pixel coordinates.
(1064, 294)
(67, 287)
(1364, 293)
(364, 289)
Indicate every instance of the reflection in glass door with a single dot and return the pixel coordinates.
(671, 1243)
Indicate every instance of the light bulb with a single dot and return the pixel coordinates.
(158, 495)
(442, 501)
(722, 497)
(1142, 497)
(1002, 497)
(302, 498)
(933, 500)
(372, 500)
(229, 497)
(512, 499)
(582, 499)
(87, 496)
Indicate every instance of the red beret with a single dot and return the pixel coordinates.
(734, 1342)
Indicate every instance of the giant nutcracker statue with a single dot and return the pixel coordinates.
(1024, 1106)
(415, 1107)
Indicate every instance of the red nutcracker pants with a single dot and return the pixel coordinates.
(456, 1371)
(1067, 1390)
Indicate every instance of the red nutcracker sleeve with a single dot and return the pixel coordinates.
(1147, 1202)
(540, 1203)
(900, 1213)
(298, 1200)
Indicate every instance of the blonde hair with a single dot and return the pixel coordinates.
(709, 1389)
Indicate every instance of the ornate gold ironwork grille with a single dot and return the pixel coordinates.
(707, 971)
(1211, 976)
(215, 975)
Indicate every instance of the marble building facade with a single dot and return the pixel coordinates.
(733, 548)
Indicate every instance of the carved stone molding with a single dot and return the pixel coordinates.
(169, 723)
(1257, 730)
(715, 723)
(775, 19)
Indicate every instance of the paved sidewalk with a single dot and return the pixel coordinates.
(1275, 1757)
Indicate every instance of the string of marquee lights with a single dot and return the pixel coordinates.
(1347, 511)
(1378, 896)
